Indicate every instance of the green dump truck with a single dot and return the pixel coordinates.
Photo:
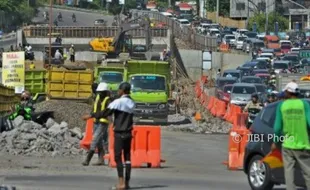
(150, 81)
(113, 75)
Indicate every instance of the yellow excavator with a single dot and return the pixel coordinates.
(122, 42)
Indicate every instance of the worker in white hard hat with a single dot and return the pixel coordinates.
(100, 125)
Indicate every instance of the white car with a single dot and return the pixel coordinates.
(285, 42)
(241, 32)
(214, 32)
(203, 27)
(239, 42)
(295, 50)
(154, 10)
(260, 37)
(167, 14)
(268, 55)
(229, 39)
(184, 22)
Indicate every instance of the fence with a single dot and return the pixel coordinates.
(226, 21)
(186, 33)
(89, 32)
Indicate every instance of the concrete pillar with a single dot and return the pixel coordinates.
(290, 22)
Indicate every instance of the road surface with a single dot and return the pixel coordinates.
(83, 18)
(192, 162)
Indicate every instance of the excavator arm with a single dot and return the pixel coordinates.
(142, 21)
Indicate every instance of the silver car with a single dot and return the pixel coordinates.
(241, 93)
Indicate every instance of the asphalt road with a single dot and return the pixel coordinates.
(82, 18)
(192, 162)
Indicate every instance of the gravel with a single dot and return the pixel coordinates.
(186, 122)
(30, 138)
(66, 110)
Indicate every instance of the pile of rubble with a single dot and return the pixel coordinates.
(66, 110)
(30, 138)
(189, 105)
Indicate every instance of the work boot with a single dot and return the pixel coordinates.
(88, 158)
(100, 161)
(127, 184)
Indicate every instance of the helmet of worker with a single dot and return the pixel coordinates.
(72, 45)
(102, 87)
(273, 76)
(307, 94)
(124, 88)
(291, 89)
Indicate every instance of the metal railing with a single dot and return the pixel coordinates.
(89, 32)
(186, 33)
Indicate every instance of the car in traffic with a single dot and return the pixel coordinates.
(264, 77)
(261, 91)
(100, 22)
(260, 71)
(221, 82)
(239, 42)
(295, 51)
(241, 32)
(257, 45)
(225, 95)
(251, 35)
(202, 28)
(281, 65)
(229, 39)
(246, 71)
(246, 45)
(183, 22)
(241, 93)
(260, 64)
(232, 73)
(260, 176)
(214, 32)
(292, 58)
(251, 79)
(285, 48)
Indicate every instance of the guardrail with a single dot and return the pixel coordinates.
(89, 32)
(186, 33)
(8, 36)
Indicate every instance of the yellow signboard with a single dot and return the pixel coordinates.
(13, 70)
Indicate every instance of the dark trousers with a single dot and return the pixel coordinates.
(122, 144)
(72, 58)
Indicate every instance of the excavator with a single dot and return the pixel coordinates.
(122, 42)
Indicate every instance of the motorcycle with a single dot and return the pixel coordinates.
(253, 112)
(29, 55)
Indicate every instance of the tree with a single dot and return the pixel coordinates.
(224, 7)
(273, 17)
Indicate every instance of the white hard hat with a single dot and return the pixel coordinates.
(102, 87)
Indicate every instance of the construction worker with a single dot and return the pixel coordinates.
(292, 123)
(72, 53)
(100, 126)
(122, 108)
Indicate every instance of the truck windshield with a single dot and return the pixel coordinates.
(146, 82)
(111, 77)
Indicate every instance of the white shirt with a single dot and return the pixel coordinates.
(58, 55)
(28, 48)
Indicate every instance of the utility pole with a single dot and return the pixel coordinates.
(217, 10)
(50, 33)
(267, 19)
(248, 14)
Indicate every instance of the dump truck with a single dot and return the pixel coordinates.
(112, 74)
(150, 81)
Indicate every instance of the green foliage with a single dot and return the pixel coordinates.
(19, 9)
(224, 7)
(273, 17)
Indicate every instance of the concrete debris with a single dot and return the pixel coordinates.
(188, 107)
(65, 110)
(30, 138)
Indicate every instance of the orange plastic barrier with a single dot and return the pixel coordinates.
(224, 47)
(228, 112)
(87, 139)
(203, 98)
(214, 107)
(221, 109)
(238, 139)
(211, 102)
(145, 147)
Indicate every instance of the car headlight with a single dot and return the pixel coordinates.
(162, 106)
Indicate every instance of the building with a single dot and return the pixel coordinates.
(243, 8)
